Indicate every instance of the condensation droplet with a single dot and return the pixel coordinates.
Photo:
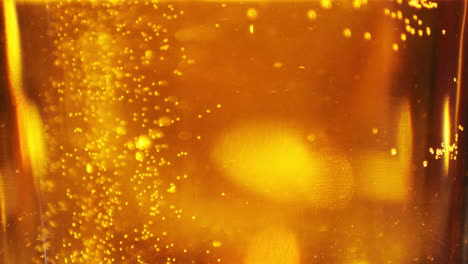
(367, 36)
(164, 121)
(252, 13)
(89, 168)
(403, 36)
(326, 4)
(311, 14)
(139, 156)
(172, 188)
(278, 65)
(143, 142)
(121, 130)
(156, 133)
(347, 33)
(311, 137)
(216, 243)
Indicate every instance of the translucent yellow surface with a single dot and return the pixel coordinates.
(226, 131)
(273, 245)
(386, 176)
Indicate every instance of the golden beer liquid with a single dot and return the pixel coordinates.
(253, 132)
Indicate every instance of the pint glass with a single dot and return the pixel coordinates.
(235, 132)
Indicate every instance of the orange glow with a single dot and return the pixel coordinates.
(30, 128)
(446, 134)
(269, 159)
(272, 159)
(13, 51)
(33, 141)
